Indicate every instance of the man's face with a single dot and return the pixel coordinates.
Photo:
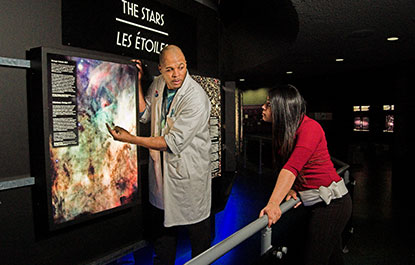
(173, 69)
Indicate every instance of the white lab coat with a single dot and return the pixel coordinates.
(184, 188)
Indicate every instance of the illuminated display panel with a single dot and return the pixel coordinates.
(361, 124)
(389, 123)
(389, 118)
(364, 108)
(361, 108)
(87, 173)
(361, 121)
(388, 107)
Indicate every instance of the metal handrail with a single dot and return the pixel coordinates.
(343, 165)
(218, 250)
(16, 182)
(12, 62)
(221, 248)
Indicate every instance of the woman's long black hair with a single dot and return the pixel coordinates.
(288, 108)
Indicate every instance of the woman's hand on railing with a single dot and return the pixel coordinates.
(293, 194)
(273, 211)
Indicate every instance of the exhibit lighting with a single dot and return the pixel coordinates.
(365, 108)
(388, 107)
(392, 38)
(339, 60)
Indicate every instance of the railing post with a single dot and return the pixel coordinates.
(266, 236)
(346, 176)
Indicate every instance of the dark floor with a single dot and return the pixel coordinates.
(383, 226)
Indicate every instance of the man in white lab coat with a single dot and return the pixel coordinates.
(179, 146)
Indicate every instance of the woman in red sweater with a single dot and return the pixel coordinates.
(300, 154)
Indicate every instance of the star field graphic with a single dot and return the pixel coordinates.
(98, 173)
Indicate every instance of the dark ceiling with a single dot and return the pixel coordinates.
(262, 40)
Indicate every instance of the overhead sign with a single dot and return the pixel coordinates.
(134, 28)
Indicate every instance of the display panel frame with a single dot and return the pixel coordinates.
(42, 113)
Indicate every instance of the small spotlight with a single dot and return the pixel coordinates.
(392, 38)
(242, 79)
(289, 72)
(339, 60)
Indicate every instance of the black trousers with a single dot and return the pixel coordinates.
(164, 239)
(324, 240)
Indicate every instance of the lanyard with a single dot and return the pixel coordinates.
(168, 96)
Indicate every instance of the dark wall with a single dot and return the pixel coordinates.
(404, 142)
(338, 93)
(390, 84)
(207, 36)
(24, 25)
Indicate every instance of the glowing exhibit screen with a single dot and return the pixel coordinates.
(89, 172)
(389, 123)
(361, 124)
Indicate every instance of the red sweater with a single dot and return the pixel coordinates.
(310, 157)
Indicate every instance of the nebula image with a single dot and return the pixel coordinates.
(98, 173)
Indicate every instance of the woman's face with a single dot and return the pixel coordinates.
(266, 111)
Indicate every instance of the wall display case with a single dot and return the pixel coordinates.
(81, 172)
(389, 118)
(361, 118)
(212, 88)
(361, 124)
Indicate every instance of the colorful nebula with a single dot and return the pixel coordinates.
(99, 173)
